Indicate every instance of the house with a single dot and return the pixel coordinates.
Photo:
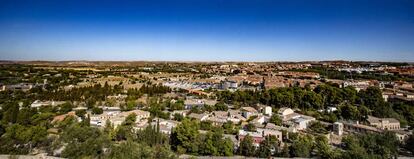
(273, 132)
(285, 111)
(360, 128)
(384, 123)
(409, 95)
(117, 97)
(180, 112)
(287, 114)
(217, 121)
(358, 85)
(190, 103)
(248, 111)
(259, 135)
(105, 108)
(140, 114)
(258, 120)
(338, 128)
(116, 118)
(292, 119)
(329, 109)
(267, 110)
(21, 86)
(63, 116)
(80, 108)
(302, 122)
(38, 103)
(235, 116)
(272, 126)
(165, 126)
(200, 117)
(402, 135)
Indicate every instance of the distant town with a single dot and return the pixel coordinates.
(116, 109)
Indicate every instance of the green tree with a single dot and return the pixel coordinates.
(178, 105)
(185, 135)
(364, 112)
(109, 130)
(178, 117)
(302, 146)
(349, 111)
(317, 127)
(125, 130)
(133, 150)
(130, 149)
(229, 127)
(251, 127)
(409, 144)
(275, 119)
(312, 100)
(207, 146)
(25, 115)
(246, 147)
(96, 110)
(11, 112)
(323, 150)
(353, 149)
(268, 146)
(80, 113)
(371, 97)
(130, 119)
(83, 141)
(226, 147)
(206, 125)
(220, 106)
(65, 108)
(131, 104)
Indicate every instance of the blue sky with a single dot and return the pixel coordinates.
(207, 30)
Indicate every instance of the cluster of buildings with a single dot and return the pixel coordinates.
(259, 116)
(116, 117)
(371, 125)
(241, 76)
(19, 87)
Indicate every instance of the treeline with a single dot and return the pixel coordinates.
(186, 138)
(384, 145)
(91, 94)
(294, 97)
(96, 92)
(80, 141)
(352, 104)
(33, 130)
(154, 89)
(27, 129)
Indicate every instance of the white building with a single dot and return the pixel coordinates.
(267, 110)
(248, 111)
(38, 103)
(116, 118)
(302, 122)
(165, 126)
(299, 121)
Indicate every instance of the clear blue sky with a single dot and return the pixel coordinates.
(207, 30)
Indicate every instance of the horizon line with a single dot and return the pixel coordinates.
(211, 61)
